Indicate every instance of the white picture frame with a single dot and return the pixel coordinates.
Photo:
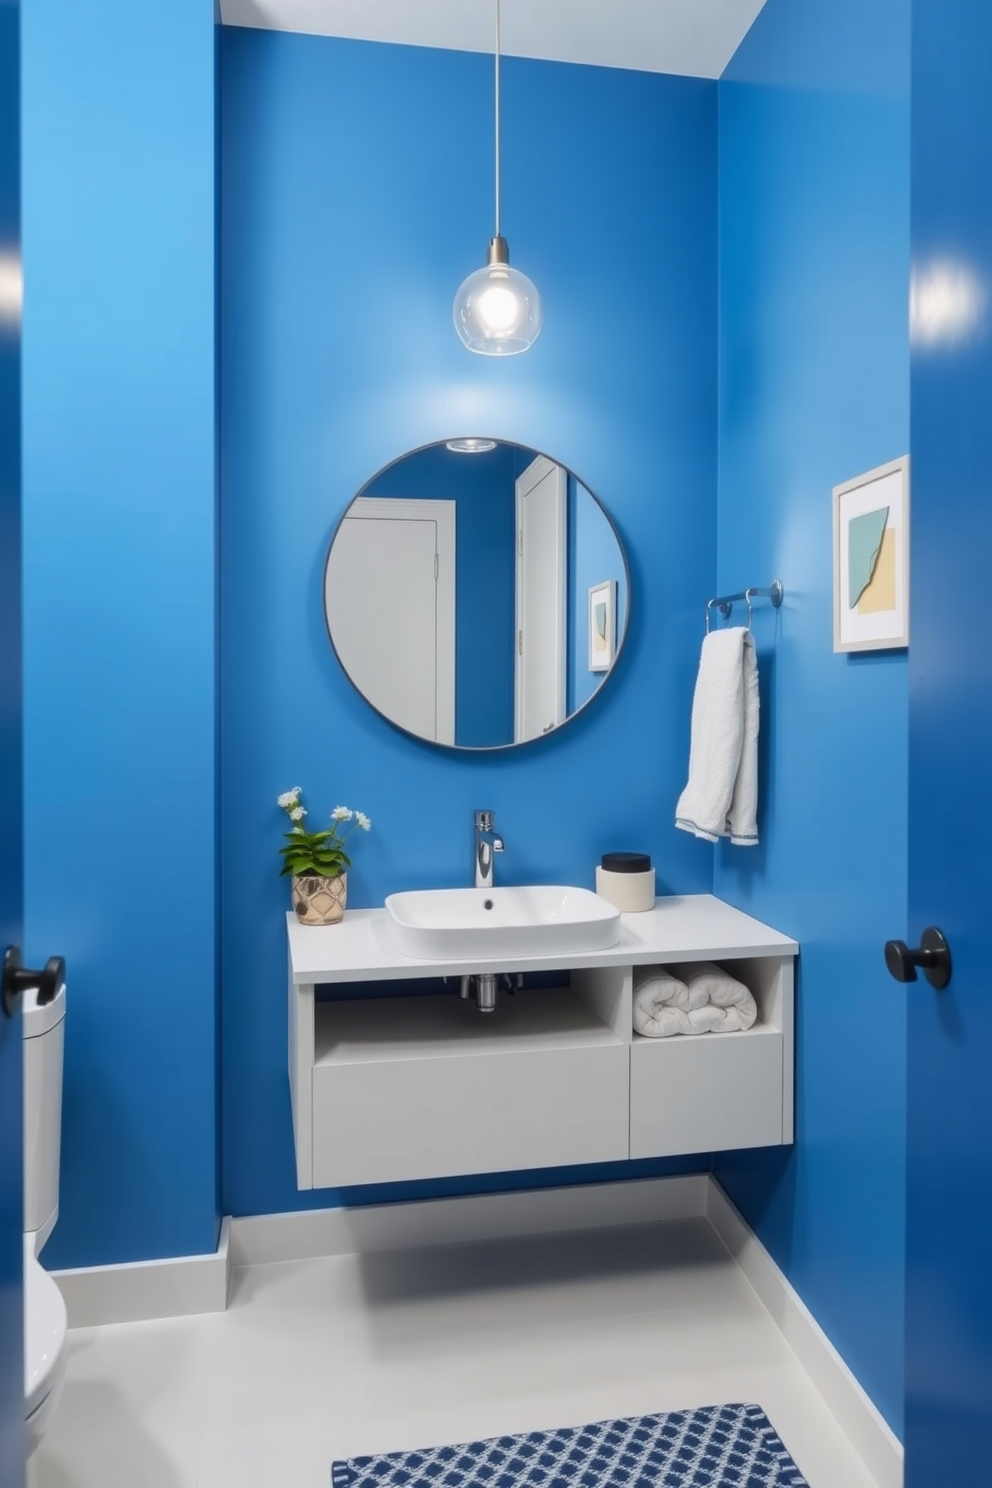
(871, 559)
(602, 625)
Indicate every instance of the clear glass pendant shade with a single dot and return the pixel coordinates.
(497, 309)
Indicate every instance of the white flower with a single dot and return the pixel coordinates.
(363, 821)
(288, 798)
(298, 830)
(341, 813)
(297, 813)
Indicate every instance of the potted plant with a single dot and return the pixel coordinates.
(317, 861)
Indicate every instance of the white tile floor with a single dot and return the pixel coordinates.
(327, 1358)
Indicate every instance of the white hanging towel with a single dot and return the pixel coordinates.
(721, 797)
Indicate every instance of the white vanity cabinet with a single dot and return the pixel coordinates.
(390, 1088)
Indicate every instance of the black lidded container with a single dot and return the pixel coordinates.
(626, 879)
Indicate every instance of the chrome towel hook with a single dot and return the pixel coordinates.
(775, 592)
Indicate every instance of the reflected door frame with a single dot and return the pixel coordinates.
(439, 516)
(541, 604)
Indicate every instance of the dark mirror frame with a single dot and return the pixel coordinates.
(621, 639)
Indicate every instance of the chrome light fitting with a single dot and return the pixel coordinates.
(497, 309)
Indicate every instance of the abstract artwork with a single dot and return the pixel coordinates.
(602, 625)
(871, 559)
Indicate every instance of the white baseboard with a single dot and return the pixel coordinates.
(866, 1429)
(135, 1291)
(459, 1221)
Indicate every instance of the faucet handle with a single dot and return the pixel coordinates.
(483, 821)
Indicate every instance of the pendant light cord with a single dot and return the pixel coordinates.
(497, 118)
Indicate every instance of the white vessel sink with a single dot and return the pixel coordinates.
(538, 919)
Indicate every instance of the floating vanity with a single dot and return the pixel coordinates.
(390, 1088)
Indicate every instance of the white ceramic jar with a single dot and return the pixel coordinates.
(626, 880)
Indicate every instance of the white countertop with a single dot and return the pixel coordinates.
(690, 927)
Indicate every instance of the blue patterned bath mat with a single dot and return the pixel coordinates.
(720, 1446)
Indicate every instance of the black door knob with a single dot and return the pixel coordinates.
(17, 980)
(933, 954)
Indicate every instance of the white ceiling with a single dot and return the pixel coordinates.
(694, 37)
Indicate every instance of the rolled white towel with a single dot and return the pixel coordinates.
(660, 1002)
(708, 984)
(664, 1005)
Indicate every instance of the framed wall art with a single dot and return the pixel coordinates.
(602, 625)
(871, 559)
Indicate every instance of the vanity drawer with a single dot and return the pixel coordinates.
(430, 1088)
(708, 1093)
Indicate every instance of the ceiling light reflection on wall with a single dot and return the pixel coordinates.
(947, 304)
(11, 289)
(497, 309)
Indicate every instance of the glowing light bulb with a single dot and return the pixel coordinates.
(498, 307)
(497, 310)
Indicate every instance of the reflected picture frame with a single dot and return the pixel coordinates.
(871, 559)
(602, 625)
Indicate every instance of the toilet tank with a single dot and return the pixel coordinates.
(44, 1038)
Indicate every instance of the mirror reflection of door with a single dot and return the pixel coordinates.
(390, 604)
(541, 500)
(491, 603)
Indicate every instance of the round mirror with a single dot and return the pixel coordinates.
(476, 593)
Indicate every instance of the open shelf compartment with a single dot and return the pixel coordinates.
(714, 1092)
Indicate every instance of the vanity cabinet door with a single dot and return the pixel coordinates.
(708, 1093)
(427, 1088)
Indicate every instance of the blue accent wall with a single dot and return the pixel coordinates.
(482, 488)
(10, 477)
(352, 209)
(11, 879)
(120, 594)
(814, 389)
(949, 1139)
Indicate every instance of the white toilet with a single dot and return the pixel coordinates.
(45, 1323)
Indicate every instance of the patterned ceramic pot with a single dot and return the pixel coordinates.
(319, 901)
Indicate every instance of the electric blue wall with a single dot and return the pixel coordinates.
(814, 388)
(11, 885)
(949, 1137)
(11, 826)
(119, 634)
(352, 209)
(482, 488)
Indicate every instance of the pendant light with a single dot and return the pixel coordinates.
(497, 309)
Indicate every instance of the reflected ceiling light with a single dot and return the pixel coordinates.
(497, 309)
(471, 446)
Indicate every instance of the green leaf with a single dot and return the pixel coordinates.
(319, 853)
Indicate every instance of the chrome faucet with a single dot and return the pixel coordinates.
(487, 842)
